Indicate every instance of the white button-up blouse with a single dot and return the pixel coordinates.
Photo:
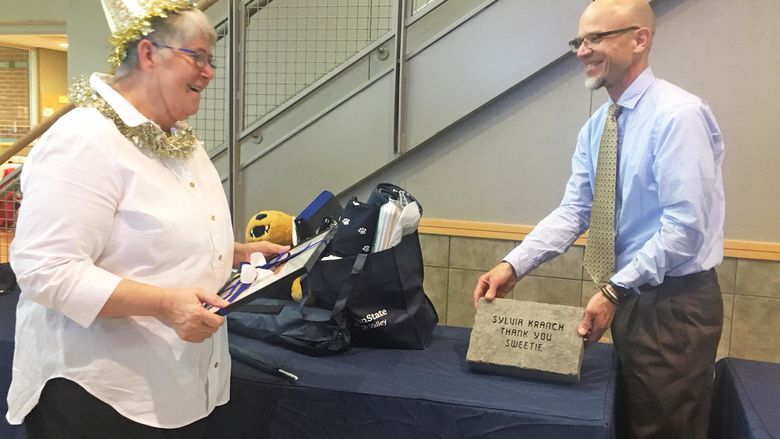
(97, 209)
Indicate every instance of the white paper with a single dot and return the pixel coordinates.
(406, 224)
(388, 216)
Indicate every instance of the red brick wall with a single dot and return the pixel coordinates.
(14, 92)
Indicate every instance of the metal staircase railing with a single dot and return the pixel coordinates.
(288, 48)
(10, 199)
(231, 114)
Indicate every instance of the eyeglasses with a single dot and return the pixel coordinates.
(596, 37)
(198, 57)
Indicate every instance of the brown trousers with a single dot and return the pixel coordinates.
(666, 339)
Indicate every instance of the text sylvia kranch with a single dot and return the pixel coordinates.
(526, 334)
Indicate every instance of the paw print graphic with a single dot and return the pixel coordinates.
(362, 230)
(345, 221)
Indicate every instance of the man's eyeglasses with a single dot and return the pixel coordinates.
(199, 57)
(596, 37)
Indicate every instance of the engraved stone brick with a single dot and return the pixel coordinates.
(529, 339)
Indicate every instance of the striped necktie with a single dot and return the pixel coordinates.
(600, 250)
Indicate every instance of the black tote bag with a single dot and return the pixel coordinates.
(306, 329)
(386, 306)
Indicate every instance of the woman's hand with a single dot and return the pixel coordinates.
(241, 252)
(182, 309)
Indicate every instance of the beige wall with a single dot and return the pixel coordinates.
(52, 80)
(88, 47)
(751, 290)
(508, 162)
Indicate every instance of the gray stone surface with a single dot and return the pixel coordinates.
(529, 339)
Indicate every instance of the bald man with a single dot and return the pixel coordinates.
(662, 297)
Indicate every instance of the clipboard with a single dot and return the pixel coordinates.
(286, 266)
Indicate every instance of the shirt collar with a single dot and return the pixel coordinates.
(126, 111)
(636, 90)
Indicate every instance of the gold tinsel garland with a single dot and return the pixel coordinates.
(135, 27)
(147, 136)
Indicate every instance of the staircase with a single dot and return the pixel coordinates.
(324, 102)
(325, 115)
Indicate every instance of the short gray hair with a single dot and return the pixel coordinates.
(176, 29)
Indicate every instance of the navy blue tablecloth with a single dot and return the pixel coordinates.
(746, 402)
(410, 394)
(390, 393)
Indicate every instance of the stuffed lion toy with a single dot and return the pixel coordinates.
(277, 227)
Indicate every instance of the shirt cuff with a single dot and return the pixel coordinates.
(91, 293)
(629, 277)
(520, 261)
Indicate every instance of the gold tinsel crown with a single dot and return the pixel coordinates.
(130, 20)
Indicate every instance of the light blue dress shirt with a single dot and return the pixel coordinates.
(670, 202)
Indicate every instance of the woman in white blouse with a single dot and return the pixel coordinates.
(123, 236)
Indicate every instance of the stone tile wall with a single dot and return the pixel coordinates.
(751, 290)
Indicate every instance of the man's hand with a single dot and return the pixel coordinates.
(495, 283)
(182, 309)
(596, 319)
